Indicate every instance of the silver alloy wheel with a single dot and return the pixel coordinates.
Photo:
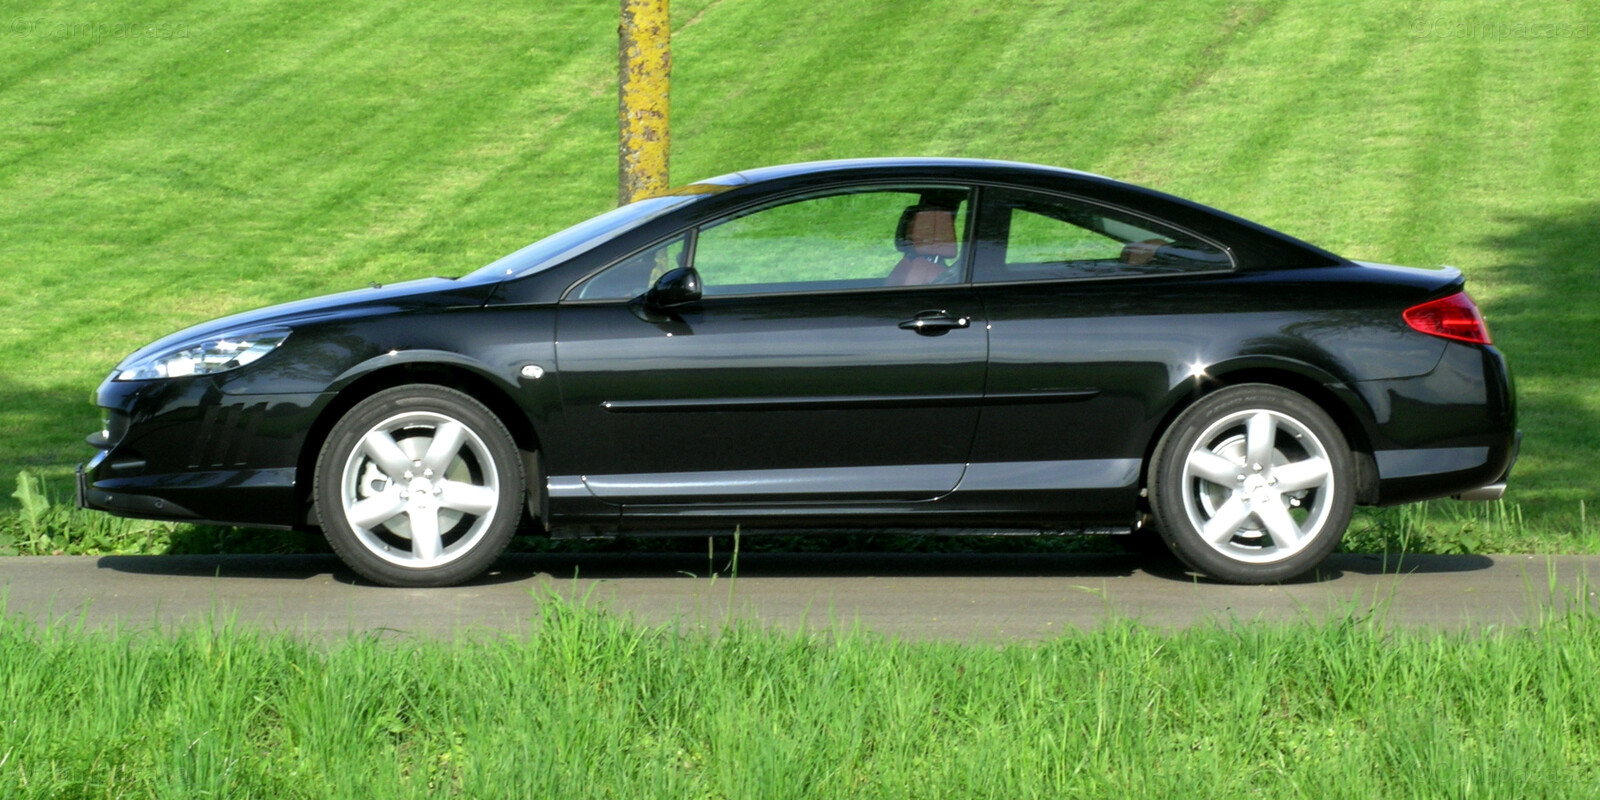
(1258, 486)
(420, 489)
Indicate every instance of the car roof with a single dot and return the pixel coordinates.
(847, 165)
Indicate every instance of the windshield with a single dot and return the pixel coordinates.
(582, 236)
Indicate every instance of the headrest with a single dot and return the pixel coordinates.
(927, 231)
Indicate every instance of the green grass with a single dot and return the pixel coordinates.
(166, 162)
(593, 705)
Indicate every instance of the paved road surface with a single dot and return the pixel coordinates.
(915, 596)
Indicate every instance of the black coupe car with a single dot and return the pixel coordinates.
(939, 344)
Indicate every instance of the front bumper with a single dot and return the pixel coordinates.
(130, 505)
(184, 451)
(257, 498)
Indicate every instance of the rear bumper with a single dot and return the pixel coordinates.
(1452, 432)
(1467, 473)
(1497, 489)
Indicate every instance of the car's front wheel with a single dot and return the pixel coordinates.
(419, 486)
(1252, 484)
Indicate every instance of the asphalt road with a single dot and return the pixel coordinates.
(913, 596)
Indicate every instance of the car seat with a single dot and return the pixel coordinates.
(926, 236)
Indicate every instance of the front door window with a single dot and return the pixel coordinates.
(841, 240)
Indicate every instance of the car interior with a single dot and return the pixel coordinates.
(926, 236)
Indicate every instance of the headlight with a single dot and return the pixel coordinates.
(206, 356)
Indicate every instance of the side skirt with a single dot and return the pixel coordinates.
(583, 532)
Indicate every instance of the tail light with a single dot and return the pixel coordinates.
(1454, 317)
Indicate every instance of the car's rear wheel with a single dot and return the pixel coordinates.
(1252, 484)
(419, 486)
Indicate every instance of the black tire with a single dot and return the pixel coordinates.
(1237, 515)
(419, 485)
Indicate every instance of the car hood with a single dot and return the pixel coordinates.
(410, 295)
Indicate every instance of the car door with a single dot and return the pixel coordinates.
(1091, 310)
(800, 374)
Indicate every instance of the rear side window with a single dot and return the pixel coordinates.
(1029, 236)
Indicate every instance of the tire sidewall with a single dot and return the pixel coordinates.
(346, 434)
(1168, 486)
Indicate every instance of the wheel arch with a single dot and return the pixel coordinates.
(358, 387)
(1344, 407)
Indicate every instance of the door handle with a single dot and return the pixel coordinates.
(934, 323)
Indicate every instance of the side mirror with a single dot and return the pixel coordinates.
(678, 286)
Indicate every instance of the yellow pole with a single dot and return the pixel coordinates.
(645, 70)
